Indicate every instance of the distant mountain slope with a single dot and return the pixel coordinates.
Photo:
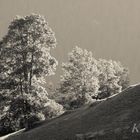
(112, 119)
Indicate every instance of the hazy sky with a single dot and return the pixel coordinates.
(109, 28)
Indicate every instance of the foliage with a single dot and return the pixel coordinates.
(85, 77)
(112, 79)
(25, 52)
(25, 60)
(52, 109)
(80, 78)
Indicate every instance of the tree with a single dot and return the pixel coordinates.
(80, 79)
(25, 61)
(26, 48)
(123, 74)
(113, 78)
(85, 77)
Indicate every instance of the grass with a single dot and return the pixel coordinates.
(111, 119)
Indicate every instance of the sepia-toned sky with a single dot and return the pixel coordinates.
(109, 28)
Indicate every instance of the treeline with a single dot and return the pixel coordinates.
(25, 62)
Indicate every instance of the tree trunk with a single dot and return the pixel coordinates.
(21, 87)
(31, 71)
(25, 70)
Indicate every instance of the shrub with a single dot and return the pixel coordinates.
(20, 114)
(52, 109)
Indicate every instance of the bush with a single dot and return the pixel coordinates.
(52, 109)
(6, 125)
(70, 101)
(33, 119)
(20, 114)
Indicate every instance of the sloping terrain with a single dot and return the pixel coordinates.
(112, 119)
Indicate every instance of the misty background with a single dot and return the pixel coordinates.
(108, 28)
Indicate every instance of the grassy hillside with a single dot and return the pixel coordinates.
(112, 119)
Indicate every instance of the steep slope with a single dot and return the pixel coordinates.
(112, 119)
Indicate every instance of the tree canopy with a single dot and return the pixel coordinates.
(25, 61)
(85, 77)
